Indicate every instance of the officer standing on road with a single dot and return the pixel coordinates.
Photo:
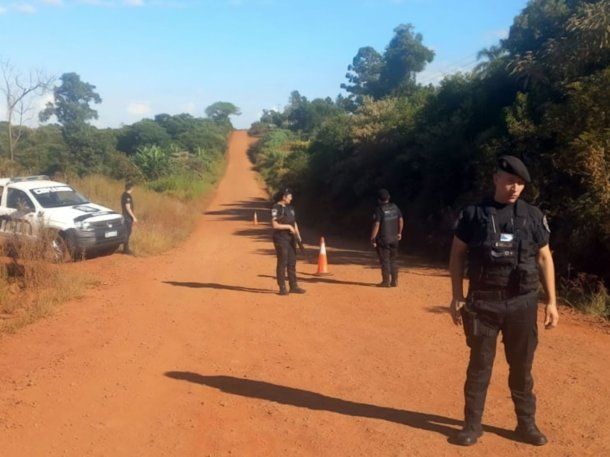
(285, 231)
(127, 207)
(506, 243)
(385, 236)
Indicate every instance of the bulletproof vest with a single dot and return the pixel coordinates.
(389, 222)
(503, 261)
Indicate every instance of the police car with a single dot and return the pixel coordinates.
(35, 208)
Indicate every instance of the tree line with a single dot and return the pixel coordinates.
(541, 94)
(156, 151)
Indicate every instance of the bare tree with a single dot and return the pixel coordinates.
(20, 91)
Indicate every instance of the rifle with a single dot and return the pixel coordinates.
(299, 242)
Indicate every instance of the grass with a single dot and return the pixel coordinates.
(586, 293)
(31, 286)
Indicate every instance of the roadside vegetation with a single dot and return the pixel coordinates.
(174, 160)
(542, 94)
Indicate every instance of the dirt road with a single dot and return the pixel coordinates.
(193, 354)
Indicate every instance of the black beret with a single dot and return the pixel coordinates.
(383, 194)
(514, 166)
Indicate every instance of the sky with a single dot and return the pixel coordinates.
(147, 57)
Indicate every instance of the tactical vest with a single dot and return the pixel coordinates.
(502, 262)
(389, 223)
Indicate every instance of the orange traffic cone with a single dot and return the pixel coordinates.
(255, 218)
(322, 260)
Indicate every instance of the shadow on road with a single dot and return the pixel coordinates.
(212, 285)
(325, 280)
(311, 400)
(244, 210)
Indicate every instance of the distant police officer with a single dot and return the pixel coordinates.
(127, 207)
(285, 231)
(385, 236)
(505, 241)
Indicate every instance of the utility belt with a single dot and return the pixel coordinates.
(491, 295)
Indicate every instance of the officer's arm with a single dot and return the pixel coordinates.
(546, 267)
(401, 225)
(457, 264)
(374, 231)
(277, 226)
(130, 212)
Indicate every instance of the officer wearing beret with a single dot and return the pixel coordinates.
(385, 236)
(506, 243)
(285, 231)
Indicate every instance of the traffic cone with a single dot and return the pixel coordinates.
(255, 218)
(322, 260)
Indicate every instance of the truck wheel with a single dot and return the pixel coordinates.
(60, 249)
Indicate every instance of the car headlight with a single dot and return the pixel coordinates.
(83, 225)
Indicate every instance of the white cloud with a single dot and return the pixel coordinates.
(26, 8)
(3, 9)
(53, 2)
(134, 2)
(139, 108)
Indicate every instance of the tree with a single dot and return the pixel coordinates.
(72, 110)
(404, 57)
(220, 111)
(364, 73)
(71, 102)
(143, 133)
(19, 92)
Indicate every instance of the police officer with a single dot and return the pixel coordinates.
(285, 231)
(127, 207)
(505, 241)
(385, 236)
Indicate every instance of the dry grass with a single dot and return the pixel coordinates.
(31, 286)
(163, 221)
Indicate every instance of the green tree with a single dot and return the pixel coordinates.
(404, 57)
(220, 111)
(71, 107)
(364, 73)
(143, 133)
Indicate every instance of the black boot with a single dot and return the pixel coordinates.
(530, 434)
(295, 289)
(283, 290)
(468, 435)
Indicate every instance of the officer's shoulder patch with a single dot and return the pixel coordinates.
(274, 212)
(545, 223)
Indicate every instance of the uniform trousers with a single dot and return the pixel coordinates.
(516, 319)
(286, 251)
(388, 253)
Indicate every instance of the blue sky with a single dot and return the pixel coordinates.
(152, 56)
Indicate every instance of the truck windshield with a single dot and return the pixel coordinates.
(57, 196)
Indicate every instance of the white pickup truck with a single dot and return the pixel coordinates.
(34, 205)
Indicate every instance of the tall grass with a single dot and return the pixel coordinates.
(31, 285)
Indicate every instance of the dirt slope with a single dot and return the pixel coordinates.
(193, 354)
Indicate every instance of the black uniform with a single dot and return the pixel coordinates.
(285, 246)
(503, 242)
(126, 198)
(388, 215)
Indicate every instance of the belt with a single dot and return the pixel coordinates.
(491, 295)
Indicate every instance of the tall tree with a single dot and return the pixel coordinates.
(71, 107)
(220, 111)
(363, 74)
(20, 91)
(404, 57)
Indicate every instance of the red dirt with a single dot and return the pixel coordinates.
(193, 354)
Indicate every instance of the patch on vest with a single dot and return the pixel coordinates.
(274, 213)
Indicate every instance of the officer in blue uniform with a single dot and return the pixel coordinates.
(385, 236)
(285, 231)
(505, 242)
